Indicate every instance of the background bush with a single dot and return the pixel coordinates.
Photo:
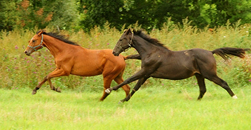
(19, 70)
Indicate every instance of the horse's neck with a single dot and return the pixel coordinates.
(56, 46)
(143, 47)
(146, 48)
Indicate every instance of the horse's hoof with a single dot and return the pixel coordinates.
(34, 92)
(108, 91)
(58, 90)
(234, 97)
(121, 102)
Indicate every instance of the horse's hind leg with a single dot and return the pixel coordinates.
(119, 80)
(52, 87)
(107, 84)
(202, 86)
(223, 84)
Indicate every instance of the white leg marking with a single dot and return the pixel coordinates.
(107, 91)
(234, 97)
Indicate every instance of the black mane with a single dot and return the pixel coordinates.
(148, 38)
(59, 37)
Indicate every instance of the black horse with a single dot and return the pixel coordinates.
(159, 62)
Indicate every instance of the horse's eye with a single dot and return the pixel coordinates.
(33, 41)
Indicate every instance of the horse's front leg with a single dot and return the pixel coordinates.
(136, 76)
(39, 85)
(136, 88)
(56, 73)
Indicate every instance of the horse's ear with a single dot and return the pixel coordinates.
(40, 32)
(129, 31)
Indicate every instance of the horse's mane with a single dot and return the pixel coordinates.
(59, 37)
(149, 39)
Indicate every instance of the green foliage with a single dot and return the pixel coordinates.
(7, 14)
(29, 14)
(153, 13)
(97, 13)
(149, 14)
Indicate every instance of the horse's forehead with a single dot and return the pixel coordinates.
(34, 37)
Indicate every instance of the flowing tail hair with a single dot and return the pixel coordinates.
(226, 51)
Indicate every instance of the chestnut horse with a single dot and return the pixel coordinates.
(159, 62)
(70, 58)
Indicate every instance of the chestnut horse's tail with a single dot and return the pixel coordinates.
(226, 51)
(136, 56)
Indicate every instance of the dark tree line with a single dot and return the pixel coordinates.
(85, 14)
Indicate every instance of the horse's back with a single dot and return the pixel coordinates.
(94, 62)
(185, 63)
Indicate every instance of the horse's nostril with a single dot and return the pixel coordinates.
(114, 53)
(26, 52)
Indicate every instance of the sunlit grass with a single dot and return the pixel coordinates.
(150, 108)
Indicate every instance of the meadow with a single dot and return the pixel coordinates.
(150, 108)
(159, 104)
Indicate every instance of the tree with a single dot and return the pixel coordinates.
(98, 12)
(28, 14)
(153, 13)
(7, 14)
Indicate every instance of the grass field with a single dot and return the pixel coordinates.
(151, 108)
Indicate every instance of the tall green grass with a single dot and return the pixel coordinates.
(21, 71)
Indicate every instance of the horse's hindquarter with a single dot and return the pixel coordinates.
(114, 65)
(205, 61)
(176, 65)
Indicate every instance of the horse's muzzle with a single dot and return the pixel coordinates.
(115, 54)
(26, 52)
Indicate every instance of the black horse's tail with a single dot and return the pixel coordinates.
(136, 56)
(226, 51)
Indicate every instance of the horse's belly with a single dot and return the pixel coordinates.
(86, 71)
(176, 75)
